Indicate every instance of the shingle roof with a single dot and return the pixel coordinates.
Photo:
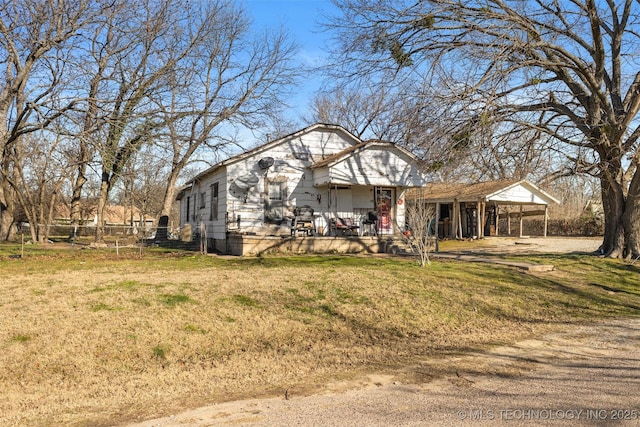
(472, 192)
(460, 191)
(337, 156)
(270, 144)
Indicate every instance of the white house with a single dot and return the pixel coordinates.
(321, 181)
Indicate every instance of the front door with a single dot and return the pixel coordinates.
(384, 209)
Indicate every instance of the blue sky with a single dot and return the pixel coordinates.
(300, 18)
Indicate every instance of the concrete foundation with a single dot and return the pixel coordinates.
(239, 244)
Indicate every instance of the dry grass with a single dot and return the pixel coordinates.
(91, 339)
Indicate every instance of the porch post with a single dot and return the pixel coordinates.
(546, 219)
(497, 220)
(454, 222)
(509, 221)
(459, 219)
(520, 235)
(483, 203)
(436, 226)
(478, 217)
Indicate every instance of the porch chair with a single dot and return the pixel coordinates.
(371, 224)
(354, 229)
(303, 221)
(344, 226)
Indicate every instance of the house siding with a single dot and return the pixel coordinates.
(214, 228)
(249, 185)
(292, 159)
(519, 194)
(379, 166)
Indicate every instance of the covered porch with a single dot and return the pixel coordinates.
(359, 210)
(364, 188)
(350, 210)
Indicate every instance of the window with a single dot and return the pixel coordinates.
(275, 191)
(203, 198)
(213, 215)
(275, 202)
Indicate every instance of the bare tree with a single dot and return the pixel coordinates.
(93, 71)
(563, 69)
(143, 49)
(232, 79)
(421, 227)
(41, 170)
(142, 184)
(172, 74)
(34, 38)
(363, 112)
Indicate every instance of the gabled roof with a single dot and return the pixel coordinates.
(337, 157)
(275, 142)
(443, 191)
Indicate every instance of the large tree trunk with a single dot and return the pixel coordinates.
(7, 211)
(76, 195)
(631, 218)
(167, 203)
(102, 203)
(613, 203)
(7, 229)
(169, 193)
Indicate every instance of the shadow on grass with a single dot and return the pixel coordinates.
(584, 295)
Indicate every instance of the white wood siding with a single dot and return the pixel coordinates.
(215, 229)
(243, 183)
(518, 194)
(380, 166)
(291, 161)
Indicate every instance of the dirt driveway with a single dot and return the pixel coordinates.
(586, 375)
(584, 245)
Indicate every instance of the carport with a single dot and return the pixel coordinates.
(461, 207)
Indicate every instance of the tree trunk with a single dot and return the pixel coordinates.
(631, 218)
(7, 229)
(76, 195)
(613, 203)
(170, 193)
(7, 211)
(102, 203)
(43, 225)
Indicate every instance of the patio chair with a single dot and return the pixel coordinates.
(370, 224)
(344, 227)
(354, 229)
(303, 221)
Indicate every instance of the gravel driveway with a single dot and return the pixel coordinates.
(585, 375)
(583, 245)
